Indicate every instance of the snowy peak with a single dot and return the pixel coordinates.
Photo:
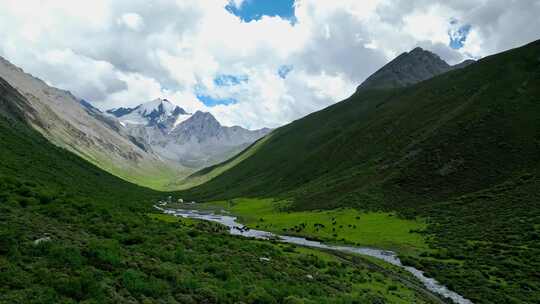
(193, 140)
(157, 107)
(160, 112)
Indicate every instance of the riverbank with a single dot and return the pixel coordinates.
(390, 257)
(341, 226)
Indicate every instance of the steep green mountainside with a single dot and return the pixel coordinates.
(72, 233)
(27, 156)
(457, 133)
(461, 150)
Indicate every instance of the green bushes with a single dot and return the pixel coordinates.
(260, 296)
(138, 283)
(64, 256)
(104, 254)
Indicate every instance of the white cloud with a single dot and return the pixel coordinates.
(131, 20)
(429, 24)
(238, 3)
(124, 52)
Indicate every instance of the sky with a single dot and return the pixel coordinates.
(253, 63)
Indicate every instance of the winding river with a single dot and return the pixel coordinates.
(236, 228)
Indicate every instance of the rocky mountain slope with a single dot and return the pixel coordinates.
(193, 140)
(75, 125)
(409, 68)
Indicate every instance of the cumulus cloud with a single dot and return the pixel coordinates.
(131, 20)
(125, 52)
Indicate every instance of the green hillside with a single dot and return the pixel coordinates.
(461, 150)
(72, 233)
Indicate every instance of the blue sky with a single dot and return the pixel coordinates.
(210, 101)
(221, 80)
(458, 34)
(230, 80)
(254, 9)
(284, 70)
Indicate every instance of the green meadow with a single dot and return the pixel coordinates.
(344, 225)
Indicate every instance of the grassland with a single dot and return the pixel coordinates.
(375, 229)
(158, 177)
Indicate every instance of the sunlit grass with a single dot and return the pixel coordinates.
(376, 229)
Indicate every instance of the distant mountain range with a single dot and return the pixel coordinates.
(194, 140)
(154, 144)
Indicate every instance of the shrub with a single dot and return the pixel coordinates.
(104, 253)
(260, 296)
(138, 283)
(62, 256)
(293, 300)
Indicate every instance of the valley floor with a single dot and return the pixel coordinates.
(344, 225)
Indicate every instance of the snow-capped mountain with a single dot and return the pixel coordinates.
(194, 140)
(158, 112)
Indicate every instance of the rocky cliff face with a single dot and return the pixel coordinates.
(194, 140)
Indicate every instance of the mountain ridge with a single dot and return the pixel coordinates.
(195, 140)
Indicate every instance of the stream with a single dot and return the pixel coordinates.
(236, 228)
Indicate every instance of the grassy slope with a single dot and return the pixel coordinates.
(461, 150)
(105, 248)
(372, 136)
(157, 176)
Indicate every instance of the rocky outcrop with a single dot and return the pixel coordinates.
(408, 69)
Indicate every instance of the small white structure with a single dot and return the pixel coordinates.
(180, 200)
(41, 240)
(264, 259)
